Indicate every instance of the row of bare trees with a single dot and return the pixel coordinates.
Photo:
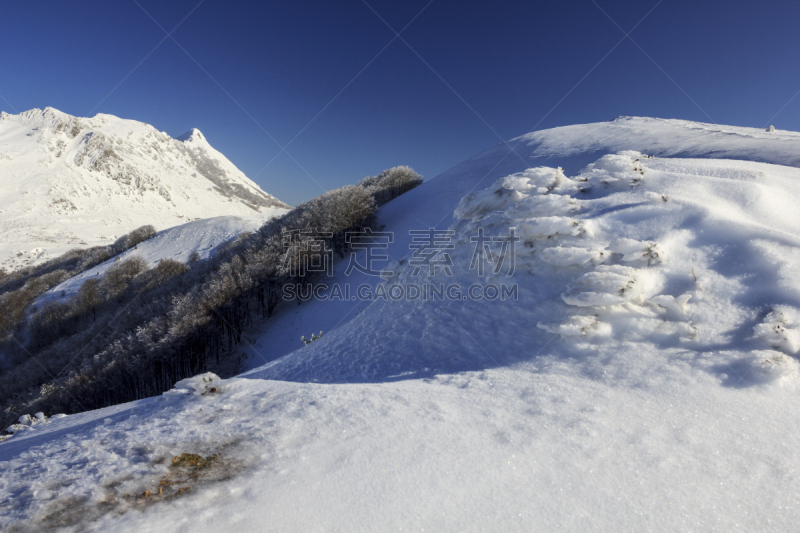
(20, 288)
(135, 331)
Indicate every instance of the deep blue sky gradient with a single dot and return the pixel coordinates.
(511, 62)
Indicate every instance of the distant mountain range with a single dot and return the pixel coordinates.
(69, 182)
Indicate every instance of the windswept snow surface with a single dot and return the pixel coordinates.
(644, 379)
(69, 182)
(570, 147)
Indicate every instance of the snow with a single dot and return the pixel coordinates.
(780, 330)
(643, 379)
(205, 237)
(71, 182)
(198, 385)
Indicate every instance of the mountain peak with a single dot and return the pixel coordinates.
(53, 111)
(193, 135)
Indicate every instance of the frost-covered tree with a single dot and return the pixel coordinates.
(13, 304)
(12, 309)
(391, 183)
(165, 269)
(88, 298)
(135, 237)
(49, 323)
(118, 277)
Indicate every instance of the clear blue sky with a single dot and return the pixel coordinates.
(510, 63)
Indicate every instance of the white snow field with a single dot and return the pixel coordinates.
(69, 182)
(645, 378)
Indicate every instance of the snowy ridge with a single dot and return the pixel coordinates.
(571, 147)
(203, 237)
(73, 182)
(643, 379)
(626, 252)
(665, 138)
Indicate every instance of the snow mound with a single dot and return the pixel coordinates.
(769, 366)
(780, 330)
(28, 422)
(199, 385)
(606, 285)
(578, 326)
(571, 255)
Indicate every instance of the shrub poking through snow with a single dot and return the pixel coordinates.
(191, 460)
(27, 422)
(770, 365)
(568, 256)
(614, 287)
(633, 250)
(578, 326)
(606, 285)
(313, 338)
(623, 168)
(780, 330)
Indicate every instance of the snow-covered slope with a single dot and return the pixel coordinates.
(644, 378)
(570, 147)
(68, 182)
(205, 237)
(610, 256)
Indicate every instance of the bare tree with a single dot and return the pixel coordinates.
(119, 276)
(88, 298)
(391, 183)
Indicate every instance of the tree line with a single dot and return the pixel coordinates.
(134, 331)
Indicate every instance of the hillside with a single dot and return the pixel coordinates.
(70, 182)
(569, 147)
(641, 377)
(202, 237)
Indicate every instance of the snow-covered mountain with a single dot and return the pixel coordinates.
(68, 182)
(643, 379)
